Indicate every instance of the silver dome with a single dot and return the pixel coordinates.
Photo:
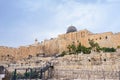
(71, 29)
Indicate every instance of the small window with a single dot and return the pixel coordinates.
(8, 55)
(21, 64)
(105, 60)
(89, 60)
(88, 39)
(100, 38)
(73, 42)
(106, 37)
(96, 39)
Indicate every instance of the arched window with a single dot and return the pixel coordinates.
(89, 60)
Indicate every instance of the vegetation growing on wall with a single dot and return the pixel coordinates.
(97, 48)
(94, 46)
(73, 49)
(77, 49)
(104, 49)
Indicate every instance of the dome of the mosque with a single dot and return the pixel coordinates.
(71, 29)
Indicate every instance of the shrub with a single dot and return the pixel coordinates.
(94, 46)
(78, 48)
(104, 49)
(27, 74)
(73, 49)
(85, 50)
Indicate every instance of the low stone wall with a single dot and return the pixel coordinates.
(86, 75)
(87, 67)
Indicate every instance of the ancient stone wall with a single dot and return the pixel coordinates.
(8, 53)
(107, 39)
(59, 44)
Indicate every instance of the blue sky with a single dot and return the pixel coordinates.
(21, 21)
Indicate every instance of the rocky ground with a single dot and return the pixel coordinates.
(71, 64)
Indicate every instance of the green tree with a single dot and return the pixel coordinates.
(92, 43)
(94, 46)
(85, 50)
(71, 48)
(78, 49)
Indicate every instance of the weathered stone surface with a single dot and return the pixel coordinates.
(59, 44)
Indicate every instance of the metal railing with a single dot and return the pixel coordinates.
(43, 73)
